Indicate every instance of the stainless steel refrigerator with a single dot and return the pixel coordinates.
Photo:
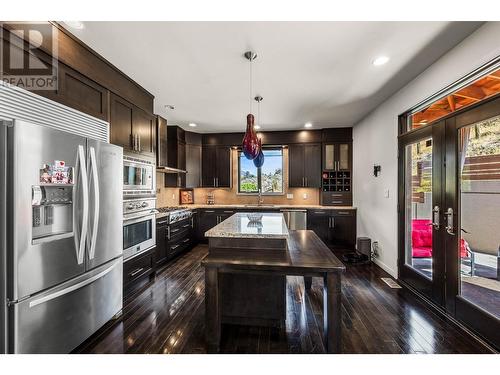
(61, 242)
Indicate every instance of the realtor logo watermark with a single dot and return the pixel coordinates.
(29, 59)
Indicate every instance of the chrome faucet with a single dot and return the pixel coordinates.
(260, 200)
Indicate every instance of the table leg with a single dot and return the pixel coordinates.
(332, 312)
(212, 310)
(308, 282)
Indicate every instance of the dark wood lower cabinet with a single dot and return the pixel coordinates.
(138, 267)
(336, 228)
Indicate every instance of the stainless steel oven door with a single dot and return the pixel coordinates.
(139, 233)
(138, 177)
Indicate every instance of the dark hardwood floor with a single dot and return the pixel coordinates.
(167, 316)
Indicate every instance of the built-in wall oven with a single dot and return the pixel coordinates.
(139, 175)
(139, 226)
(139, 203)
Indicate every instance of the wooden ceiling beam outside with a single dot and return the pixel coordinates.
(479, 90)
(451, 102)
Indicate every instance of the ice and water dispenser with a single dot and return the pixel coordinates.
(52, 204)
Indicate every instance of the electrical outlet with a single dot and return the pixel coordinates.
(386, 193)
(304, 196)
(289, 196)
(173, 197)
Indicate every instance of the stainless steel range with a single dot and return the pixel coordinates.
(174, 214)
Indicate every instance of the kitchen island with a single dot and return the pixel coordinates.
(246, 269)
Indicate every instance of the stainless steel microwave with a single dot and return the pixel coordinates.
(139, 176)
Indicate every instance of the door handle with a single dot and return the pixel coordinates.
(435, 217)
(80, 243)
(71, 288)
(449, 221)
(332, 222)
(95, 179)
(132, 274)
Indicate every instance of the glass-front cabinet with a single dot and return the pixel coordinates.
(337, 156)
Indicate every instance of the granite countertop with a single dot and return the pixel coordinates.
(272, 225)
(270, 206)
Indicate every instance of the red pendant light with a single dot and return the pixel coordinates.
(250, 145)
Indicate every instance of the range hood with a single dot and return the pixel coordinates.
(169, 157)
(162, 169)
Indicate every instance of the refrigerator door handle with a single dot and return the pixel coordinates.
(71, 288)
(80, 243)
(95, 180)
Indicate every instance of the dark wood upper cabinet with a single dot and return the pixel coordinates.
(193, 159)
(337, 156)
(144, 126)
(304, 165)
(161, 142)
(176, 151)
(79, 92)
(131, 127)
(223, 175)
(121, 115)
(312, 165)
(216, 166)
(208, 166)
(296, 157)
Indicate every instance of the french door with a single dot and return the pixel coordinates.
(449, 216)
(421, 198)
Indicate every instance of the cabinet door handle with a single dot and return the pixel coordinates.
(139, 141)
(307, 183)
(332, 222)
(186, 225)
(186, 240)
(174, 247)
(209, 212)
(319, 212)
(132, 274)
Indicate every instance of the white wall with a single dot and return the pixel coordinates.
(375, 139)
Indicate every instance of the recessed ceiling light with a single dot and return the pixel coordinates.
(192, 124)
(381, 60)
(256, 127)
(308, 125)
(75, 24)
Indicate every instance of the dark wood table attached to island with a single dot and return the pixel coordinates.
(246, 269)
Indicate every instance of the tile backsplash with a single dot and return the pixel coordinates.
(170, 196)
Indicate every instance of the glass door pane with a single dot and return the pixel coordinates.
(344, 156)
(418, 206)
(329, 157)
(479, 205)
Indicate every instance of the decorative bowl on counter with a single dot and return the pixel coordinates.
(254, 216)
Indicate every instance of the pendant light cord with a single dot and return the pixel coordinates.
(251, 60)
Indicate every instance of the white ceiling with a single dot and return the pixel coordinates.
(319, 72)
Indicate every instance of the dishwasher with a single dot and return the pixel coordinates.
(296, 219)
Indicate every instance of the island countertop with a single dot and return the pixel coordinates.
(272, 225)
